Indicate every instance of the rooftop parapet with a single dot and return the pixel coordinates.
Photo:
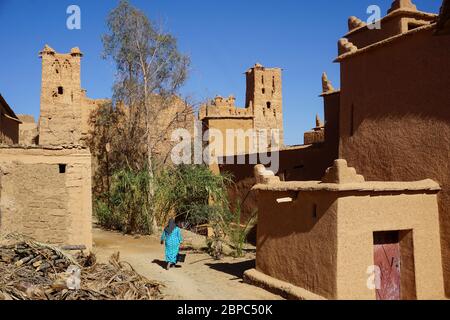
(341, 178)
(220, 107)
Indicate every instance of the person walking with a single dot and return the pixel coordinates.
(172, 238)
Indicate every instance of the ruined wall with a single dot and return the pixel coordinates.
(396, 125)
(87, 107)
(297, 241)
(28, 130)
(169, 114)
(9, 130)
(46, 194)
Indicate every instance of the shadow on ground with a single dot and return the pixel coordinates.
(163, 264)
(235, 269)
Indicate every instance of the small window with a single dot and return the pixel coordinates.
(352, 120)
(269, 105)
(263, 91)
(60, 90)
(314, 213)
(62, 168)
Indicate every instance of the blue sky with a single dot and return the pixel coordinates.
(223, 39)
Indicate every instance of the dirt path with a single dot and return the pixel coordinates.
(199, 278)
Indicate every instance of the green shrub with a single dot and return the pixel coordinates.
(127, 208)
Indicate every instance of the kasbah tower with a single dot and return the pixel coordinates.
(65, 109)
(263, 112)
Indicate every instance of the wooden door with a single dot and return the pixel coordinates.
(387, 258)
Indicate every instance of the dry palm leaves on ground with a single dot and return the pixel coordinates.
(30, 270)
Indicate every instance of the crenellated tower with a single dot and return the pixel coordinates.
(264, 96)
(60, 119)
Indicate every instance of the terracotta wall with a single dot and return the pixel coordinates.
(294, 244)
(222, 125)
(395, 116)
(360, 215)
(299, 163)
(323, 241)
(46, 194)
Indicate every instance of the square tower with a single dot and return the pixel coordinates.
(264, 96)
(61, 98)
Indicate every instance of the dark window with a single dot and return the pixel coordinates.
(60, 90)
(352, 120)
(263, 90)
(62, 168)
(314, 214)
(269, 105)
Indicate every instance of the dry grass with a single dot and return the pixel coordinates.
(30, 270)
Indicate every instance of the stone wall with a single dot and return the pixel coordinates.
(46, 194)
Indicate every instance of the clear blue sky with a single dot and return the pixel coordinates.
(223, 39)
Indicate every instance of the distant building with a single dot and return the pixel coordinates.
(263, 113)
(9, 124)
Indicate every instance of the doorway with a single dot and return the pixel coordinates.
(394, 256)
(387, 258)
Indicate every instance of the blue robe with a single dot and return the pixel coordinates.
(172, 242)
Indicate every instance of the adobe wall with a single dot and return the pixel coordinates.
(396, 125)
(60, 121)
(41, 199)
(296, 246)
(393, 24)
(9, 130)
(360, 215)
(241, 145)
(28, 130)
(298, 163)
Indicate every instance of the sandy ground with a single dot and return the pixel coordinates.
(199, 278)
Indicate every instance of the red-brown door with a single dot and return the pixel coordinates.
(387, 258)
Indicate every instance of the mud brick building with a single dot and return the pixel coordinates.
(390, 119)
(323, 239)
(263, 112)
(9, 123)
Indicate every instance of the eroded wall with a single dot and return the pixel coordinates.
(9, 130)
(46, 194)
